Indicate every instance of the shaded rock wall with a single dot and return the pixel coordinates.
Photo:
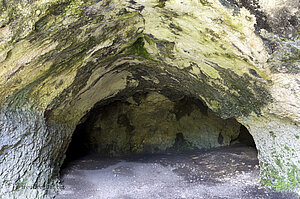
(61, 58)
(152, 123)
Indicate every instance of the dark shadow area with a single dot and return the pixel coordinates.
(78, 147)
(245, 137)
(118, 115)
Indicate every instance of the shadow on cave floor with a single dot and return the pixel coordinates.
(225, 172)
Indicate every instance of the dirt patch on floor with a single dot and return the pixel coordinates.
(226, 172)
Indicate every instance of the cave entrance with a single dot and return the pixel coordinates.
(152, 123)
(149, 146)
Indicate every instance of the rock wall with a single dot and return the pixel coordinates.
(61, 58)
(152, 123)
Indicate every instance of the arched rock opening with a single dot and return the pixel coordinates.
(54, 71)
(150, 123)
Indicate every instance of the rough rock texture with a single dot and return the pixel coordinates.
(61, 58)
(152, 123)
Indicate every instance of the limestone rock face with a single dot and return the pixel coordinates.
(152, 123)
(59, 59)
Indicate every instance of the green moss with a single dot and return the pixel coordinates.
(138, 48)
(297, 136)
(57, 11)
(272, 178)
(149, 39)
(128, 15)
(161, 4)
(287, 148)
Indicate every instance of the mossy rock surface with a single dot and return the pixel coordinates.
(59, 59)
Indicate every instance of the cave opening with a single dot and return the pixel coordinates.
(148, 146)
(149, 123)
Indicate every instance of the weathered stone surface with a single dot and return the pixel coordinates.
(61, 58)
(152, 123)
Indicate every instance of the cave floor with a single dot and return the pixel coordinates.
(226, 172)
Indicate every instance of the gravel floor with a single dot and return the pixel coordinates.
(227, 172)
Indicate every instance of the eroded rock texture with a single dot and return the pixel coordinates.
(61, 58)
(150, 122)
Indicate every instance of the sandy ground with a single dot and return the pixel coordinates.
(227, 172)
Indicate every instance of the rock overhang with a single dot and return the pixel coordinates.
(75, 55)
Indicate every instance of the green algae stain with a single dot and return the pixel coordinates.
(272, 178)
(161, 4)
(138, 48)
(287, 148)
(128, 15)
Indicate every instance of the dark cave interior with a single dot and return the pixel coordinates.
(114, 129)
